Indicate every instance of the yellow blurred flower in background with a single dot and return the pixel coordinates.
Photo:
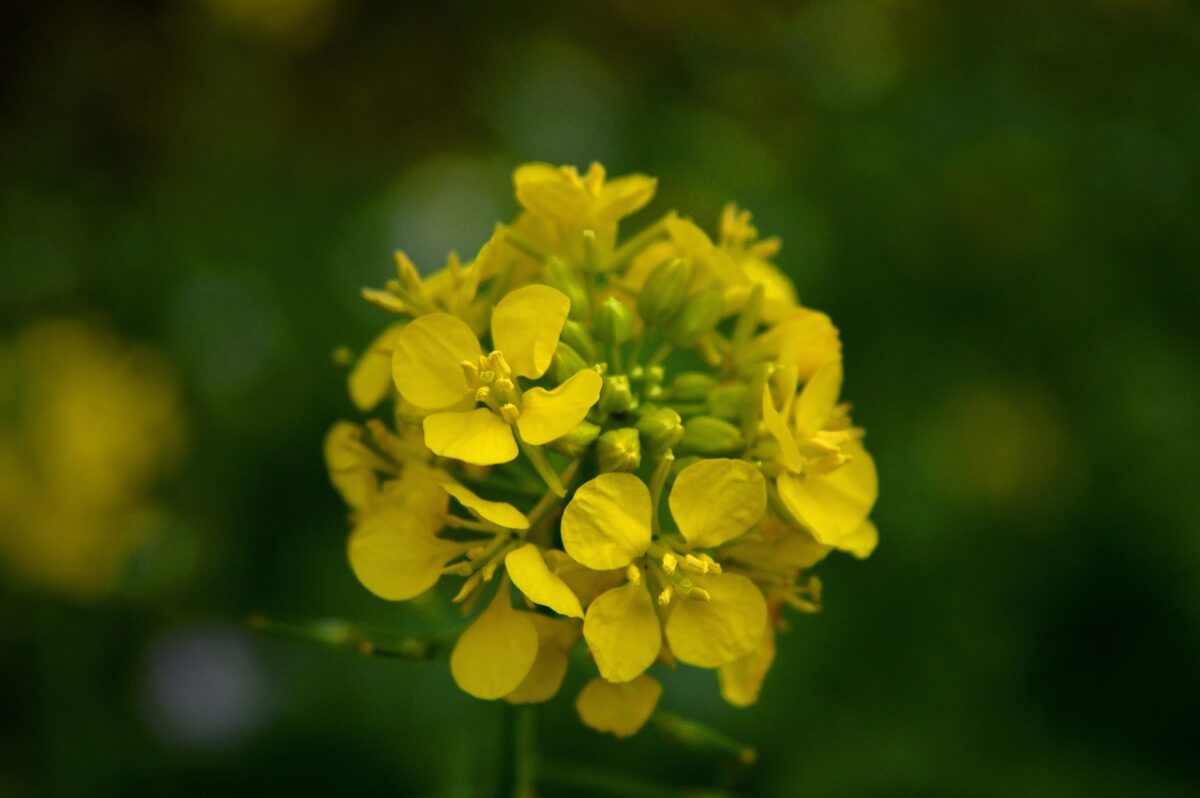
(89, 426)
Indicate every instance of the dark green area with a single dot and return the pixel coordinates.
(997, 203)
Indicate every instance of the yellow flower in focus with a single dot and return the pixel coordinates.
(95, 422)
(828, 482)
(439, 365)
(542, 395)
(608, 525)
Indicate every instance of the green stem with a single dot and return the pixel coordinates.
(624, 253)
(352, 637)
(540, 464)
(657, 480)
(703, 738)
(524, 752)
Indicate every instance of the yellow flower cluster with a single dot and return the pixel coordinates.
(642, 435)
(88, 425)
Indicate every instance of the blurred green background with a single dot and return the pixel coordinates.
(997, 202)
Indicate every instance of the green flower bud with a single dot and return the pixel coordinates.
(661, 429)
(616, 396)
(614, 322)
(576, 442)
(711, 437)
(578, 338)
(558, 274)
(665, 290)
(727, 401)
(697, 318)
(692, 386)
(619, 450)
(566, 363)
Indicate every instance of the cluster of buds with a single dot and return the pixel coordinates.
(634, 442)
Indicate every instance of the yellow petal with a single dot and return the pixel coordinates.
(709, 634)
(584, 582)
(622, 630)
(477, 436)
(805, 339)
(545, 191)
(607, 523)
(529, 573)
(862, 541)
(716, 500)
(371, 377)
(789, 452)
(624, 196)
(816, 402)
(495, 653)
(781, 544)
(501, 513)
(555, 639)
(526, 325)
(396, 556)
(742, 679)
(620, 709)
(833, 506)
(548, 415)
(350, 474)
(427, 360)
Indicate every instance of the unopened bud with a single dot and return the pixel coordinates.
(576, 336)
(616, 396)
(614, 322)
(712, 437)
(660, 429)
(558, 274)
(692, 386)
(566, 363)
(697, 318)
(578, 440)
(665, 290)
(619, 450)
(727, 401)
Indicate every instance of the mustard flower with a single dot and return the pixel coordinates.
(631, 443)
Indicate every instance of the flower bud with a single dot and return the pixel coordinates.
(710, 436)
(614, 322)
(665, 290)
(616, 396)
(692, 386)
(727, 401)
(619, 450)
(558, 274)
(661, 429)
(576, 442)
(566, 363)
(578, 338)
(697, 318)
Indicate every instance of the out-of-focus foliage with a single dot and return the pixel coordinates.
(998, 202)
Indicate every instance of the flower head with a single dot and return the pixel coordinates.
(635, 442)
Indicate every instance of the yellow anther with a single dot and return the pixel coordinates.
(669, 562)
(483, 393)
(471, 371)
(510, 412)
(664, 598)
(694, 564)
(633, 574)
(489, 570)
(475, 552)
(699, 594)
(499, 364)
(827, 464)
(503, 385)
